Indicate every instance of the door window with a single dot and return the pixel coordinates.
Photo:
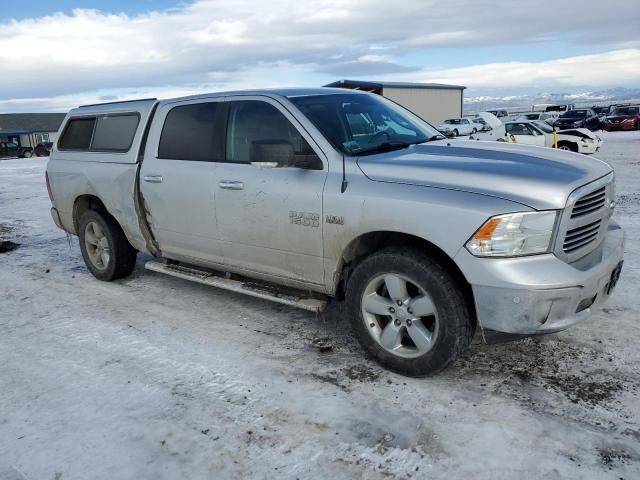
(252, 123)
(518, 129)
(190, 132)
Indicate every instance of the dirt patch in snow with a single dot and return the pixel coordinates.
(342, 377)
(610, 457)
(628, 200)
(535, 372)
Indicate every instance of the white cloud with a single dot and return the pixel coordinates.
(621, 67)
(218, 44)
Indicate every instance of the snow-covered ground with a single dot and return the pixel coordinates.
(154, 377)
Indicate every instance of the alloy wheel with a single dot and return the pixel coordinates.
(400, 315)
(97, 245)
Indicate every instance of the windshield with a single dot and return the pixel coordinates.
(544, 126)
(626, 111)
(575, 114)
(356, 124)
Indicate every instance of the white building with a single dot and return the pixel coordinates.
(434, 102)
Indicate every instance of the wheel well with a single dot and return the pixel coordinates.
(84, 203)
(572, 145)
(371, 242)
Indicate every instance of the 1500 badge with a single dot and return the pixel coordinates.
(304, 219)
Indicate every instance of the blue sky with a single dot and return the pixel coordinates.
(57, 54)
(36, 8)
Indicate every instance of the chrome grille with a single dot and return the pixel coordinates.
(579, 237)
(584, 222)
(589, 203)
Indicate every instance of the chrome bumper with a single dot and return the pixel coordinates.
(542, 294)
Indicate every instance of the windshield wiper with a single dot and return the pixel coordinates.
(388, 147)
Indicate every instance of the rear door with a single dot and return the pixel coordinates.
(178, 179)
(270, 219)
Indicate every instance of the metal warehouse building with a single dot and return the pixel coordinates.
(29, 129)
(434, 102)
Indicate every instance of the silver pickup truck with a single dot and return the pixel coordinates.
(301, 195)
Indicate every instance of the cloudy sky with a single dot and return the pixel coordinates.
(57, 54)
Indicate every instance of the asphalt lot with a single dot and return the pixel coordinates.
(154, 377)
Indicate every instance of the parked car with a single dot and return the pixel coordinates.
(43, 149)
(540, 133)
(623, 118)
(489, 118)
(479, 123)
(458, 126)
(560, 108)
(499, 113)
(578, 118)
(548, 117)
(269, 193)
(12, 149)
(601, 111)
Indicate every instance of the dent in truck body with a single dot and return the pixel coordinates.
(112, 183)
(109, 176)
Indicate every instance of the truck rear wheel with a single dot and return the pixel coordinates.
(104, 246)
(408, 312)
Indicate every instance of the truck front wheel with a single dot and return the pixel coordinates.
(408, 312)
(104, 246)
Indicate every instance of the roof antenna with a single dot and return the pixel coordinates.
(344, 178)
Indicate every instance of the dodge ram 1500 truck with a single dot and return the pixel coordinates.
(301, 195)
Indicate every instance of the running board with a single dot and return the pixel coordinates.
(265, 291)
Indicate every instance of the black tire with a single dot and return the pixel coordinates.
(475, 130)
(27, 154)
(122, 256)
(455, 326)
(455, 132)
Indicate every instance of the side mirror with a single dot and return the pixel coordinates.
(271, 153)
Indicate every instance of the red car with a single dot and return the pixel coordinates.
(622, 118)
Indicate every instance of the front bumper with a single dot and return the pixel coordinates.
(542, 294)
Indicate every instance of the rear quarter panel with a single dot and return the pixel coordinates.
(109, 176)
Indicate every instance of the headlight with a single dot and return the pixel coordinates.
(514, 234)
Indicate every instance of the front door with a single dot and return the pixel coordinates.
(269, 219)
(524, 134)
(178, 181)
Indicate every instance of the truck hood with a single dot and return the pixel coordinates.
(538, 177)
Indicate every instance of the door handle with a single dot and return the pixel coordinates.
(231, 185)
(153, 178)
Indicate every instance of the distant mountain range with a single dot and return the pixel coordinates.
(525, 102)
